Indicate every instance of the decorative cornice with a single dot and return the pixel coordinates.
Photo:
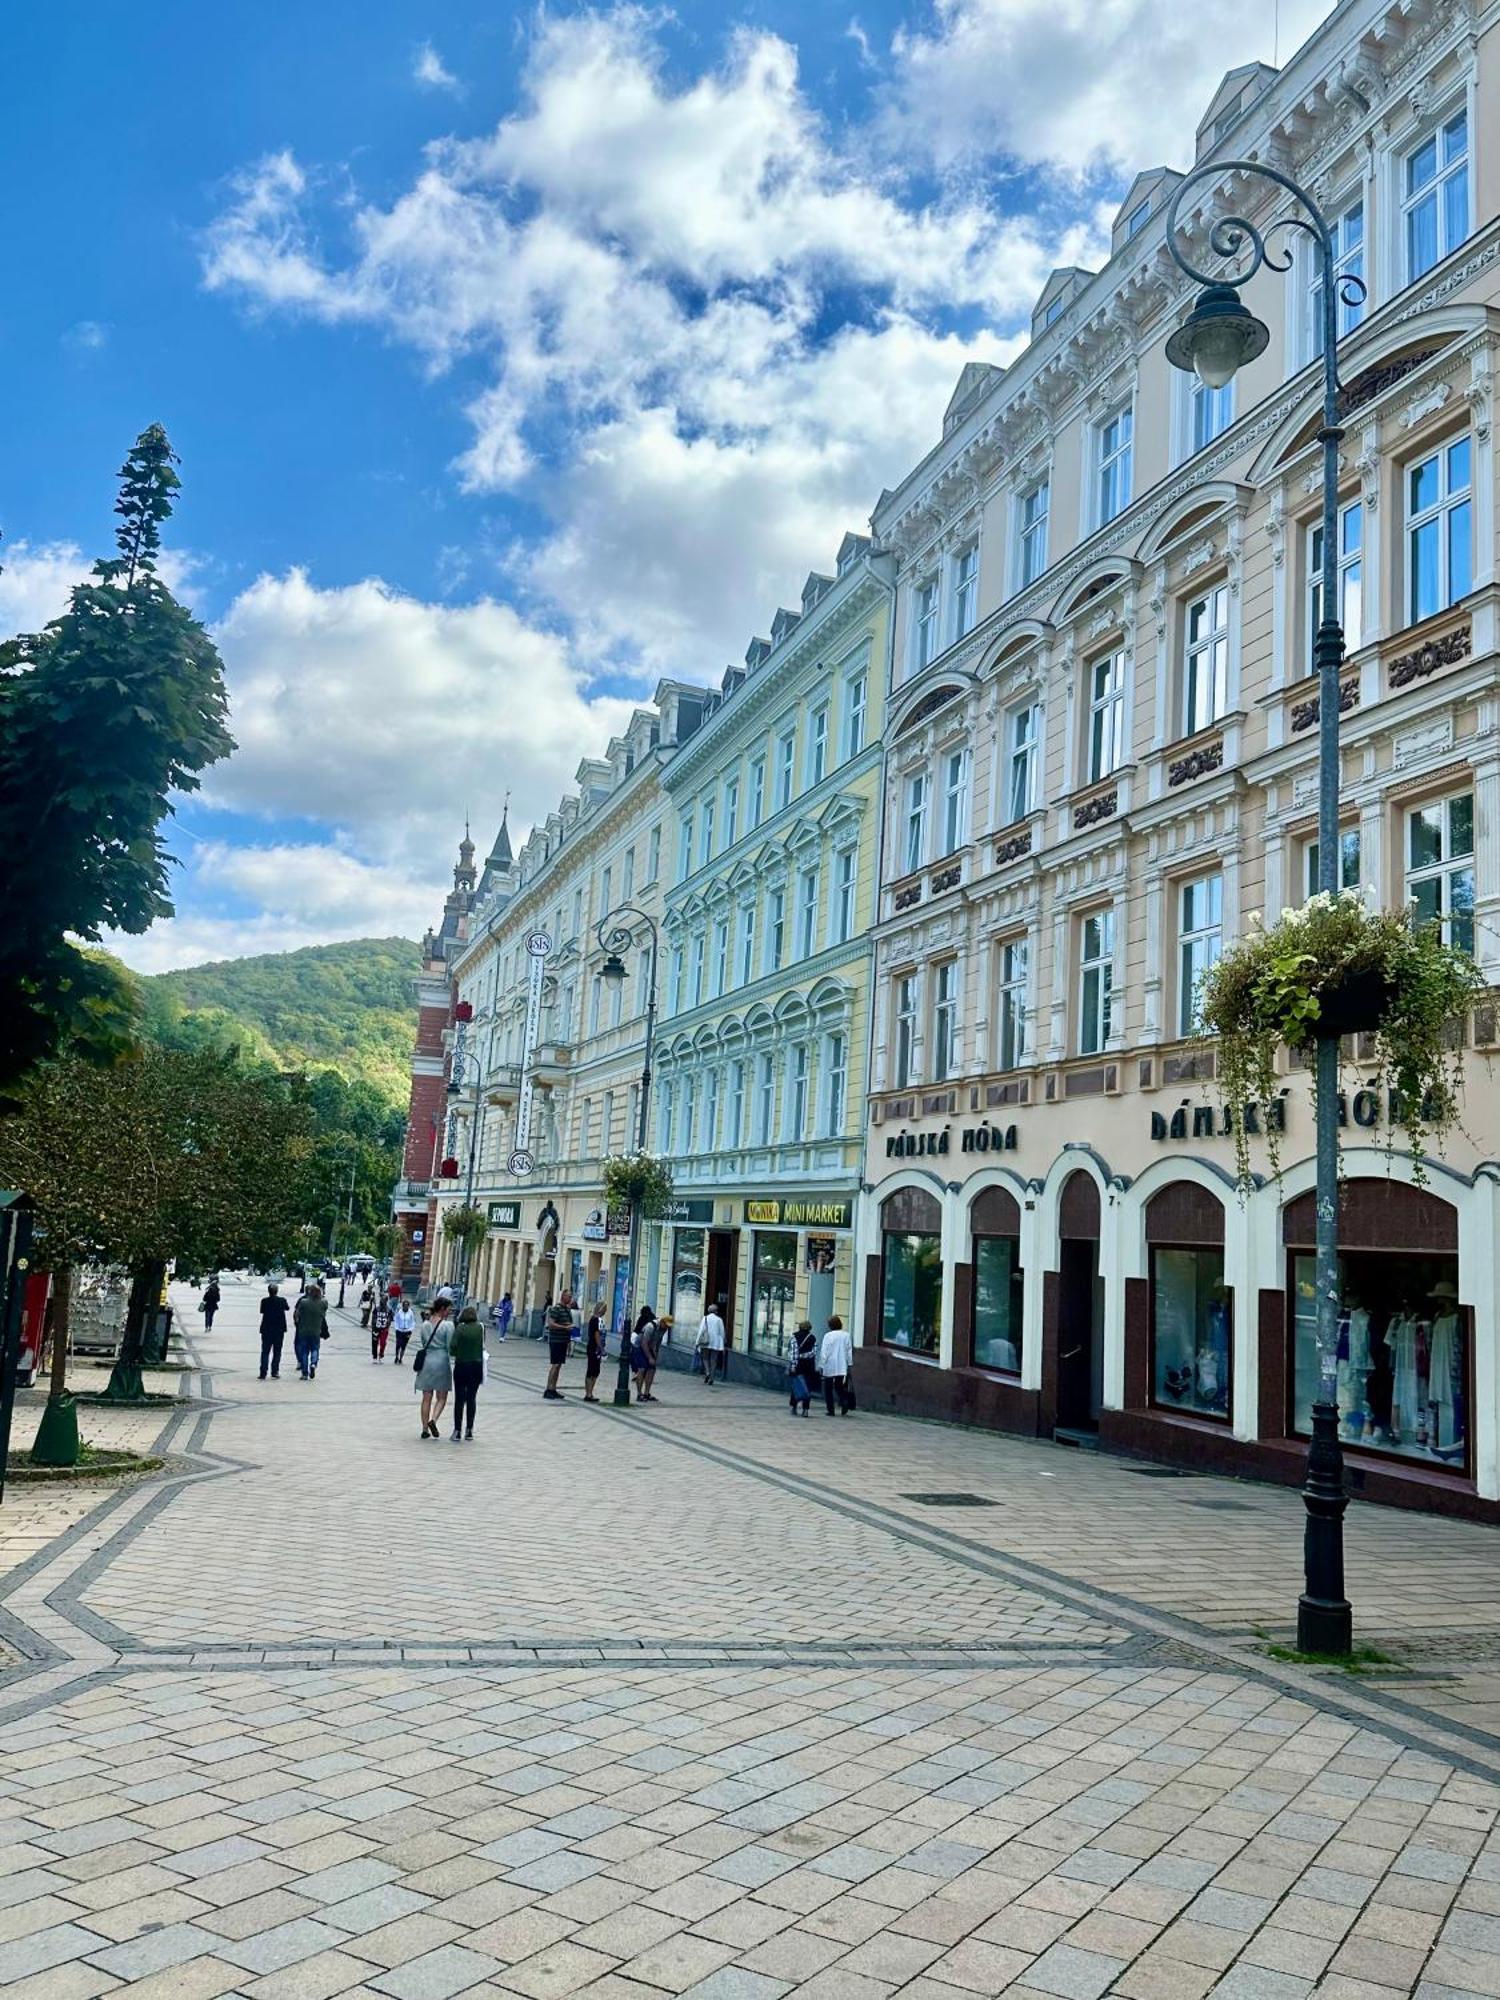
(1013, 848)
(1093, 810)
(1306, 713)
(1429, 656)
(1196, 764)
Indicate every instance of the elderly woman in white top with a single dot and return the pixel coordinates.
(836, 1359)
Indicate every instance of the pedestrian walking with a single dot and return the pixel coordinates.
(836, 1359)
(434, 1364)
(466, 1350)
(310, 1319)
(380, 1329)
(404, 1322)
(558, 1321)
(645, 1322)
(804, 1363)
(208, 1304)
(273, 1316)
(711, 1344)
(507, 1311)
(593, 1351)
(366, 1304)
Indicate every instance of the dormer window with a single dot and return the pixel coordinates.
(1137, 219)
(1054, 309)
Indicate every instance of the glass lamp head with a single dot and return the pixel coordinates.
(613, 969)
(1218, 337)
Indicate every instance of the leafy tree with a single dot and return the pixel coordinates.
(103, 716)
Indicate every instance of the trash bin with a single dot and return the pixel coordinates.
(158, 1333)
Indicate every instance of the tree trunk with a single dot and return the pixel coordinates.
(56, 1441)
(126, 1383)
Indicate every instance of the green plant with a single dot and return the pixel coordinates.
(468, 1226)
(638, 1180)
(1340, 965)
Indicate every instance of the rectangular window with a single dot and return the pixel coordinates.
(914, 848)
(757, 792)
(1033, 533)
(607, 1124)
(674, 982)
(911, 1291)
(855, 691)
(765, 1099)
(1096, 980)
(689, 1109)
(685, 848)
(786, 767)
(999, 1301)
(773, 1291)
(836, 1086)
(697, 986)
(1205, 680)
(1348, 231)
(594, 992)
(616, 1003)
(807, 912)
(796, 1093)
(706, 835)
(664, 1120)
(944, 1020)
(1348, 862)
(817, 745)
(1351, 578)
(731, 812)
(845, 871)
(1054, 310)
(1106, 715)
(775, 929)
(653, 855)
(1011, 1048)
(1113, 440)
(965, 591)
(1440, 867)
(925, 623)
(1439, 530)
(1023, 727)
(1190, 1329)
(606, 901)
(1435, 195)
(1200, 940)
(721, 956)
(578, 911)
(627, 885)
(747, 944)
(1137, 219)
(955, 800)
(710, 1111)
(906, 1029)
(1210, 412)
(737, 1080)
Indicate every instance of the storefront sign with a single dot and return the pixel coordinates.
(802, 1214)
(594, 1230)
(618, 1223)
(821, 1251)
(682, 1210)
(419, 1236)
(973, 1139)
(504, 1214)
(1364, 1108)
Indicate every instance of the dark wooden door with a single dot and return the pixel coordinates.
(1077, 1333)
(719, 1281)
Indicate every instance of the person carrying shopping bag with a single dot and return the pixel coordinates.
(837, 1361)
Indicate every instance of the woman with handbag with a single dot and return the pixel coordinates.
(466, 1353)
(804, 1368)
(434, 1364)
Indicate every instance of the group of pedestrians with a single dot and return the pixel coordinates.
(830, 1359)
(309, 1318)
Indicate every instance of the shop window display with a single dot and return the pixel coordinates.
(1190, 1325)
(687, 1280)
(773, 1292)
(1402, 1355)
(912, 1292)
(998, 1298)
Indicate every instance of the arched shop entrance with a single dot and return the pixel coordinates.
(1080, 1307)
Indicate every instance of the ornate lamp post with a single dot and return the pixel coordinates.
(616, 933)
(1217, 337)
(455, 1089)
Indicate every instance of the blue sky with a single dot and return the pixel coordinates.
(517, 358)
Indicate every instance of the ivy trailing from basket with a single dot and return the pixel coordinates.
(1339, 966)
(466, 1225)
(638, 1179)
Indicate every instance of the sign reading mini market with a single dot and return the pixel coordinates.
(796, 1213)
(504, 1214)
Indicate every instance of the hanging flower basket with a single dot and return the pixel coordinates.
(466, 1225)
(638, 1180)
(1339, 967)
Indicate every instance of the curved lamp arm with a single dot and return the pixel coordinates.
(1230, 234)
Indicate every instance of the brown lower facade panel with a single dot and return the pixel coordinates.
(891, 1382)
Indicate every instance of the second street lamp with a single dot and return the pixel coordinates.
(1218, 337)
(616, 932)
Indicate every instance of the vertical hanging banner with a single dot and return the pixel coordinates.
(539, 950)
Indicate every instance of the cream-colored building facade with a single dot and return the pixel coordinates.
(1100, 759)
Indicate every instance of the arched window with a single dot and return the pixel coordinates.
(1191, 1307)
(911, 1242)
(998, 1291)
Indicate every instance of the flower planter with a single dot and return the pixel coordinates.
(1356, 1005)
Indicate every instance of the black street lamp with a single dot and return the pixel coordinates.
(455, 1090)
(616, 933)
(1218, 337)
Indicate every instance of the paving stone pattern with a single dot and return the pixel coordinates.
(688, 1702)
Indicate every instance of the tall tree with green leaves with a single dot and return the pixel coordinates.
(104, 715)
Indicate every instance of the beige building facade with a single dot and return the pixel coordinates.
(1100, 759)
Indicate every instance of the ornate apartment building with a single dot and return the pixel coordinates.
(774, 816)
(1100, 759)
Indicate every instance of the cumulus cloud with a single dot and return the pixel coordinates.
(35, 578)
(428, 69)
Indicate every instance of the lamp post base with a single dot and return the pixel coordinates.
(622, 1380)
(1325, 1623)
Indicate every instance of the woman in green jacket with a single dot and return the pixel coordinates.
(466, 1348)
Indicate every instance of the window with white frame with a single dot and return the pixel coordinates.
(1113, 440)
(817, 745)
(1011, 1037)
(1348, 861)
(689, 1110)
(944, 1019)
(775, 929)
(1096, 980)
(747, 944)
(627, 884)
(925, 623)
(578, 911)
(1054, 309)
(685, 848)
(1032, 533)
(1440, 867)
(738, 1072)
(786, 767)
(664, 1120)
(1137, 219)
(674, 981)
(914, 846)
(1347, 228)
(1435, 195)
(653, 855)
(706, 834)
(1210, 411)
(906, 1029)
(585, 1126)
(765, 1098)
(607, 1123)
(595, 991)
(1200, 940)
(757, 792)
(1351, 578)
(841, 917)
(721, 956)
(807, 912)
(795, 1106)
(731, 812)
(697, 982)
(835, 1084)
(616, 1002)
(710, 1110)
(1106, 723)
(1439, 530)
(1205, 676)
(965, 590)
(1022, 738)
(955, 800)
(855, 693)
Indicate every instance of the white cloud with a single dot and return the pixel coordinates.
(1084, 85)
(428, 69)
(35, 578)
(86, 336)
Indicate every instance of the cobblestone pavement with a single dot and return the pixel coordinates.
(699, 1700)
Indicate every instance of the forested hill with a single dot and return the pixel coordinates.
(347, 1006)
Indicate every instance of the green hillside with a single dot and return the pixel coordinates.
(343, 1006)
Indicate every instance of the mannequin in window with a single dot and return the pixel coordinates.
(1442, 1365)
(1213, 1354)
(1406, 1391)
(1354, 1367)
